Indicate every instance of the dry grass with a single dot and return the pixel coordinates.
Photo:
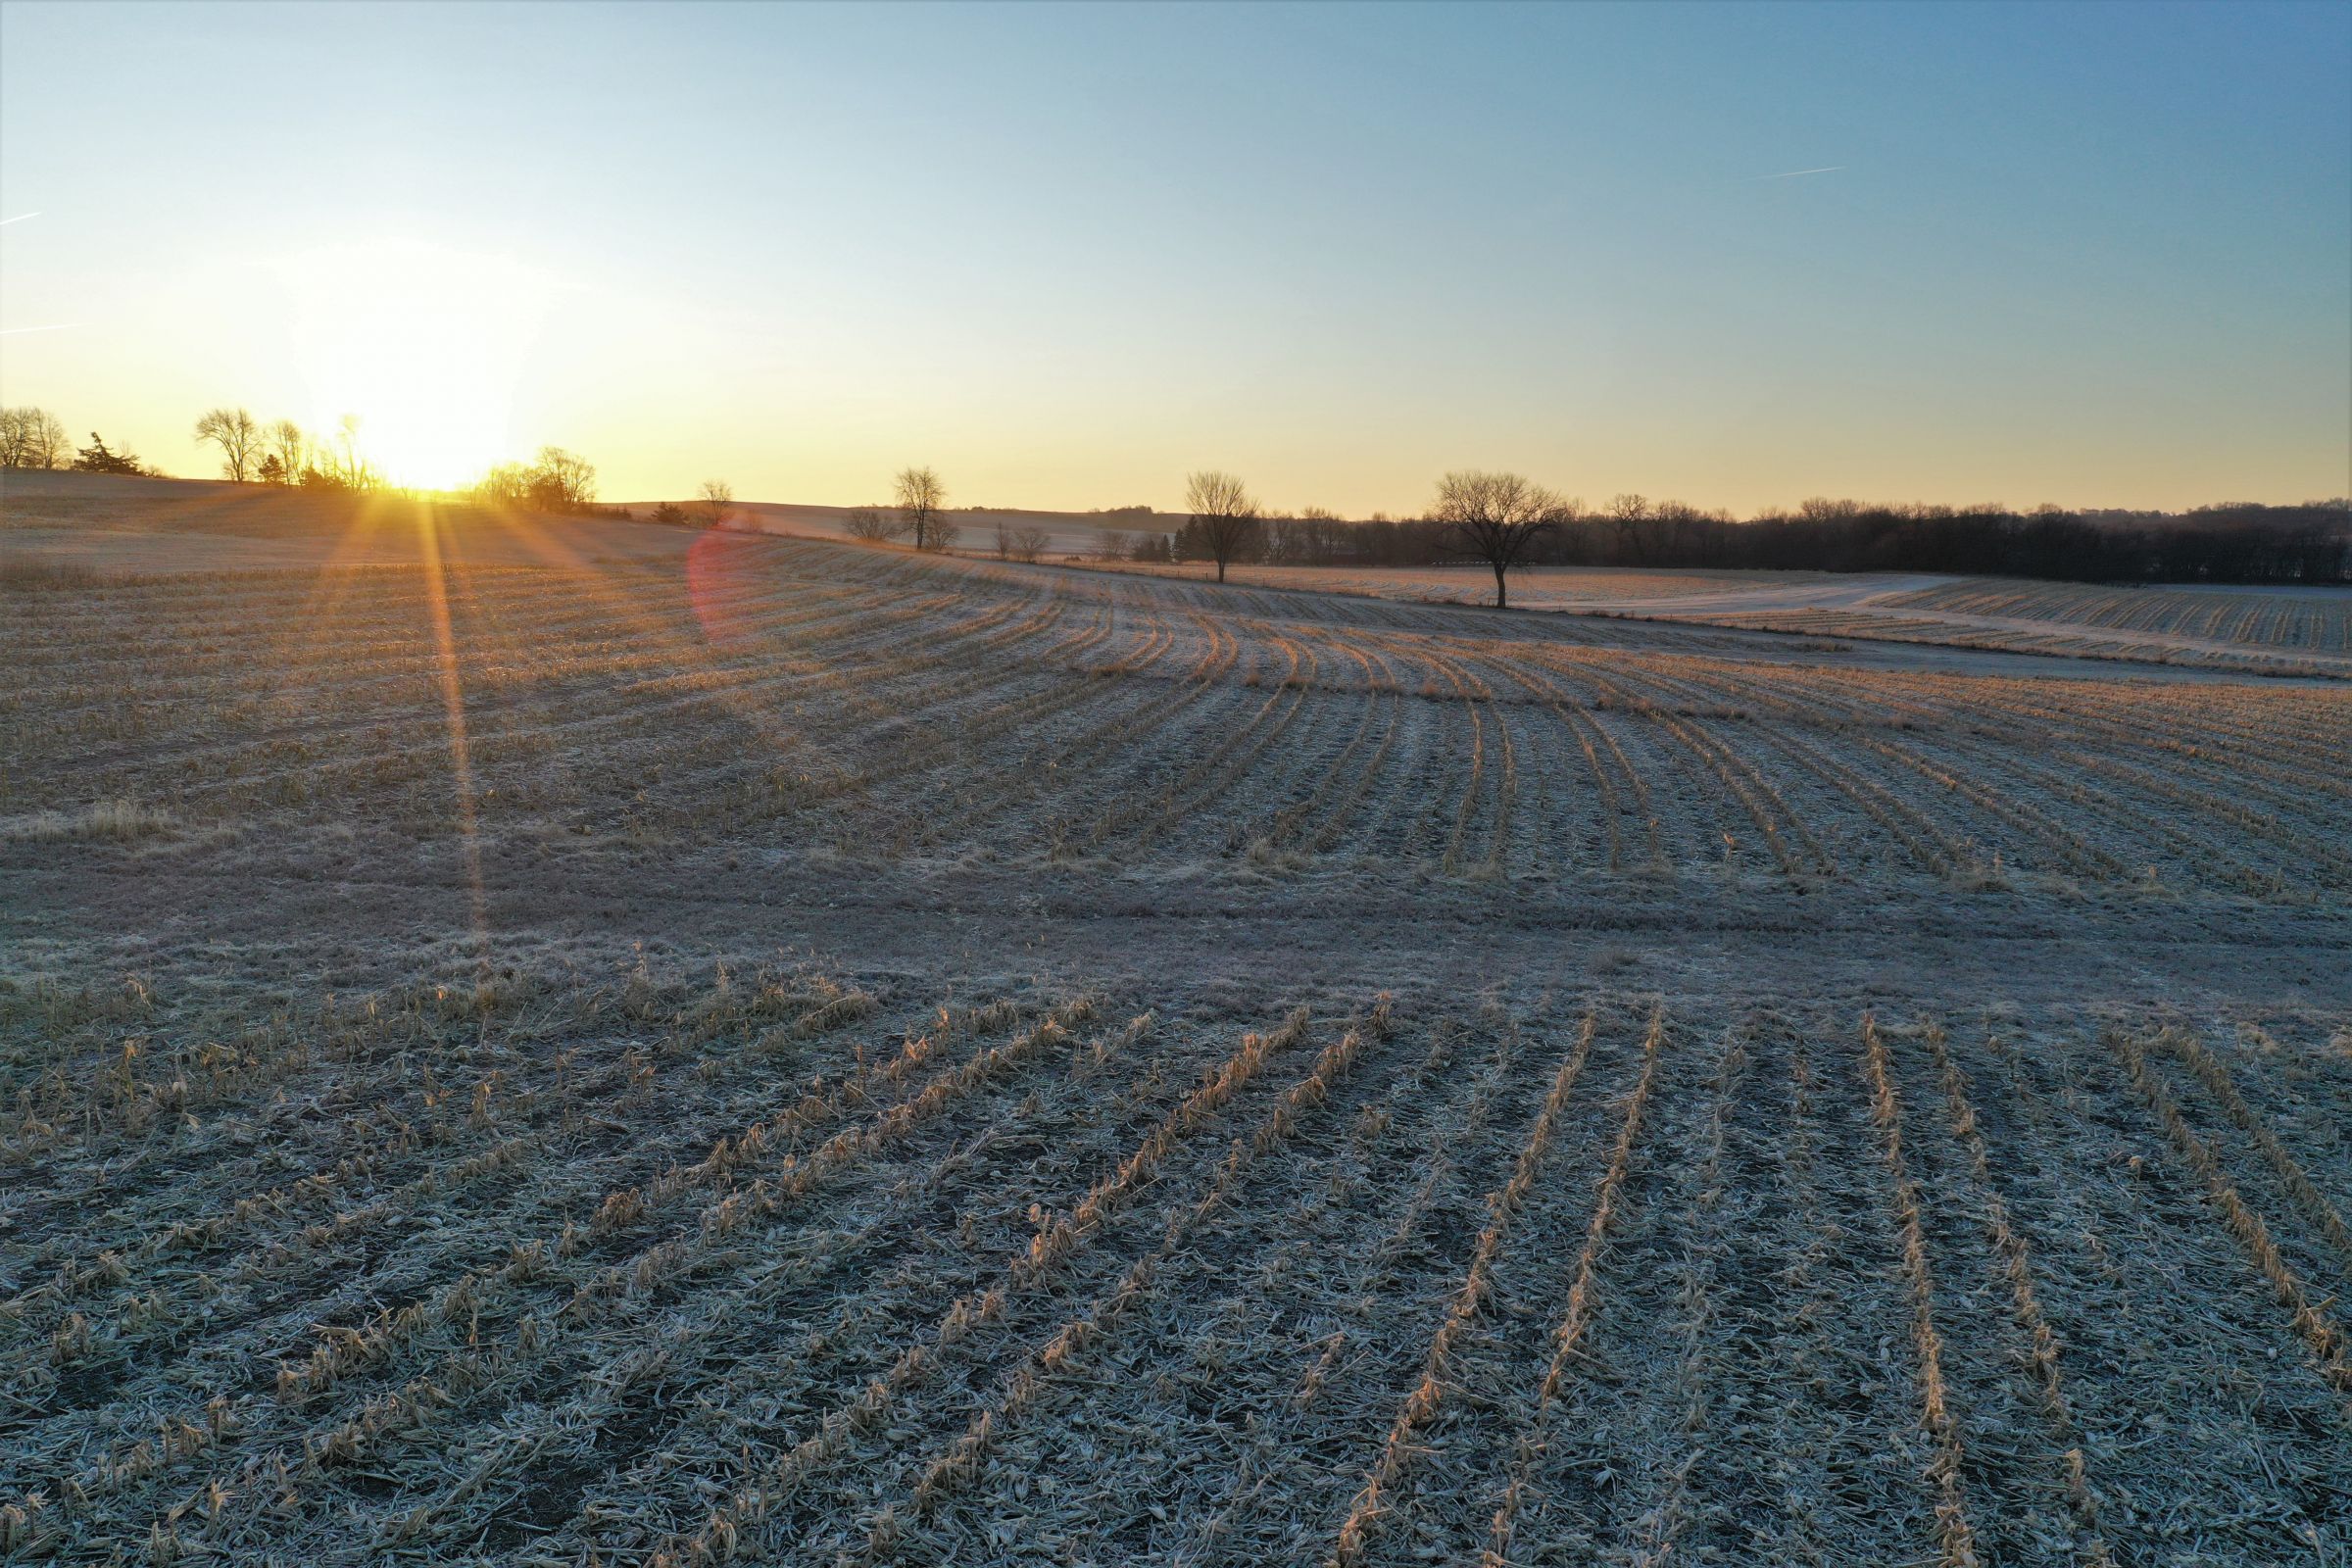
(112, 822)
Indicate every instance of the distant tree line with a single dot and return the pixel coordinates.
(1499, 520)
(35, 438)
(281, 452)
(2237, 542)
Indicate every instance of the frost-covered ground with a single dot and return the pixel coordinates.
(545, 1043)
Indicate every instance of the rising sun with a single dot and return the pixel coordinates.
(424, 344)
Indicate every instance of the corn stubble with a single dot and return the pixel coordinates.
(567, 1256)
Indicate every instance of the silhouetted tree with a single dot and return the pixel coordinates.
(1629, 515)
(1224, 517)
(291, 446)
(718, 501)
(506, 484)
(32, 438)
(561, 481)
(1497, 518)
(556, 481)
(97, 458)
(239, 435)
(348, 467)
(2234, 542)
(921, 502)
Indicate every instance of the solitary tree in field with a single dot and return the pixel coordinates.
(239, 435)
(1225, 515)
(718, 501)
(1497, 518)
(923, 508)
(32, 438)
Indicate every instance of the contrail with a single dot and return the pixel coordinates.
(13, 330)
(18, 219)
(1795, 172)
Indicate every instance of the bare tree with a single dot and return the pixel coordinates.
(1497, 516)
(506, 484)
(1224, 513)
(349, 467)
(1677, 524)
(46, 444)
(1630, 514)
(239, 435)
(1029, 544)
(718, 501)
(291, 446)
(562, 482)
(922, 502)
(1311, 533)
(871, 524)
(33, 438)
(1003, 541)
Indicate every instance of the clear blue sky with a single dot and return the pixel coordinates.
(2095, 254)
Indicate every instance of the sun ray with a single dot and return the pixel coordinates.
(453, 706)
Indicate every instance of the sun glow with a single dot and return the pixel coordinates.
(426, 345)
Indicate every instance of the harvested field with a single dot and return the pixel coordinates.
(851, 702)
(760, 1266)
(2271, 631)
(2319, 620)
(724, 1047)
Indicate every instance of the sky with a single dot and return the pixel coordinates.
(2095, 255)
